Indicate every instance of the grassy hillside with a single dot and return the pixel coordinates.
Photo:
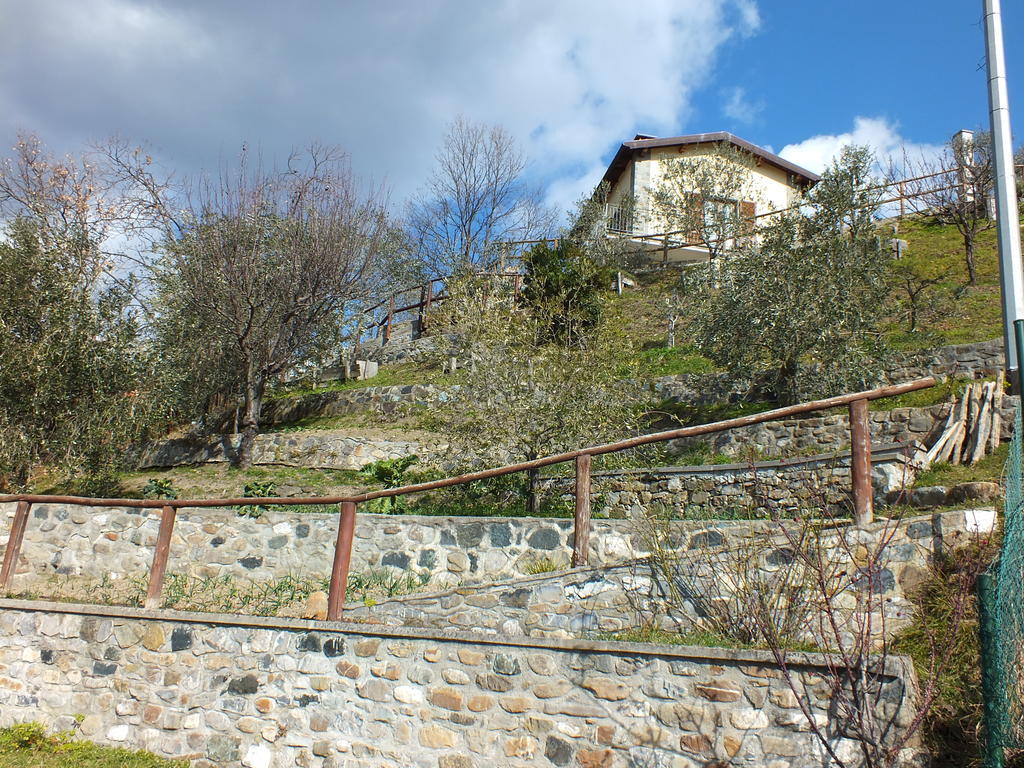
(956, 313)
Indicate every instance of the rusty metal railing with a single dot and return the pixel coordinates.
(860, 470)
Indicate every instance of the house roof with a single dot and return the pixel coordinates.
(643, 141)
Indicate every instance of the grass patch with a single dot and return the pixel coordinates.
(400, 374)
(700, 638)
(666, 361)
(988, 469)
(924, 398)
(973, 313)
(284, 596)
(225, 481)
(29, 745)
(952, 728)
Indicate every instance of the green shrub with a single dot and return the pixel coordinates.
(159, 488)
(255, 490)
(391, 473)
(24, 736)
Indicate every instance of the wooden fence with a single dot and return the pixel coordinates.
(860, 440)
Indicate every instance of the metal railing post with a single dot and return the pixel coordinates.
(581, 515)
(342, 560)
(860, 463)
(14, 540)
(160, 555)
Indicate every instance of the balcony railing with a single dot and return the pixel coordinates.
(619, 219)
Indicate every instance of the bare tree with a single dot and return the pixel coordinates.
(267, 268)
(847, 572)
(953, 186)
(710, 198)
(475, 199)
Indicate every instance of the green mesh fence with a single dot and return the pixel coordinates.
(1001, 593)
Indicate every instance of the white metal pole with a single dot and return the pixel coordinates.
(1011, 279)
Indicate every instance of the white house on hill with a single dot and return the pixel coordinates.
(770, 183)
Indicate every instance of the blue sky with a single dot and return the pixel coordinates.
(813, 67)
(570, 79)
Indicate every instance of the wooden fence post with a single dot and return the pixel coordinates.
(860, 463)
(160, 555)
(342, 560)
(14, 540)
(387, 323)
(428, 299)
(581, 516)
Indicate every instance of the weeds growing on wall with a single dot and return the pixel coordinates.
(30, 745)
(953, 727)
(284, 596)
(741, 584)
(545, 564)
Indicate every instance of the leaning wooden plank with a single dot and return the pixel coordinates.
(951, 452)
(996, 435)
(944, 450)
(963, 453)
(980, 442)
(943, 437)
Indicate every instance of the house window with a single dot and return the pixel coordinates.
(720, 212)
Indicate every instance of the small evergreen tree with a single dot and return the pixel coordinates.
(562, 287)
(73, 370)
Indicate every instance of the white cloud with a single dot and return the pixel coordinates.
(569, 79)
(883, 137)
(739, 107)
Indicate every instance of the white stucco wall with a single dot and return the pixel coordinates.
(767, 187)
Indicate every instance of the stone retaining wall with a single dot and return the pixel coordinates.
(983, 358)
(758, 489)
(285, 410)
(225, 691)
(831, 431)
(296, 449)
(581, 602)
(785, 484)
(97, 542)
(401, 347)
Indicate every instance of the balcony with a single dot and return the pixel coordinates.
(619, 219)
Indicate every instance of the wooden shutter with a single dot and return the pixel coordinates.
(747, 213)
(694, 213)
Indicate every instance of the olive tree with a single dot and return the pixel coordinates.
(525, 393)
(267, 269)
(801, 308)
(74, 368)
